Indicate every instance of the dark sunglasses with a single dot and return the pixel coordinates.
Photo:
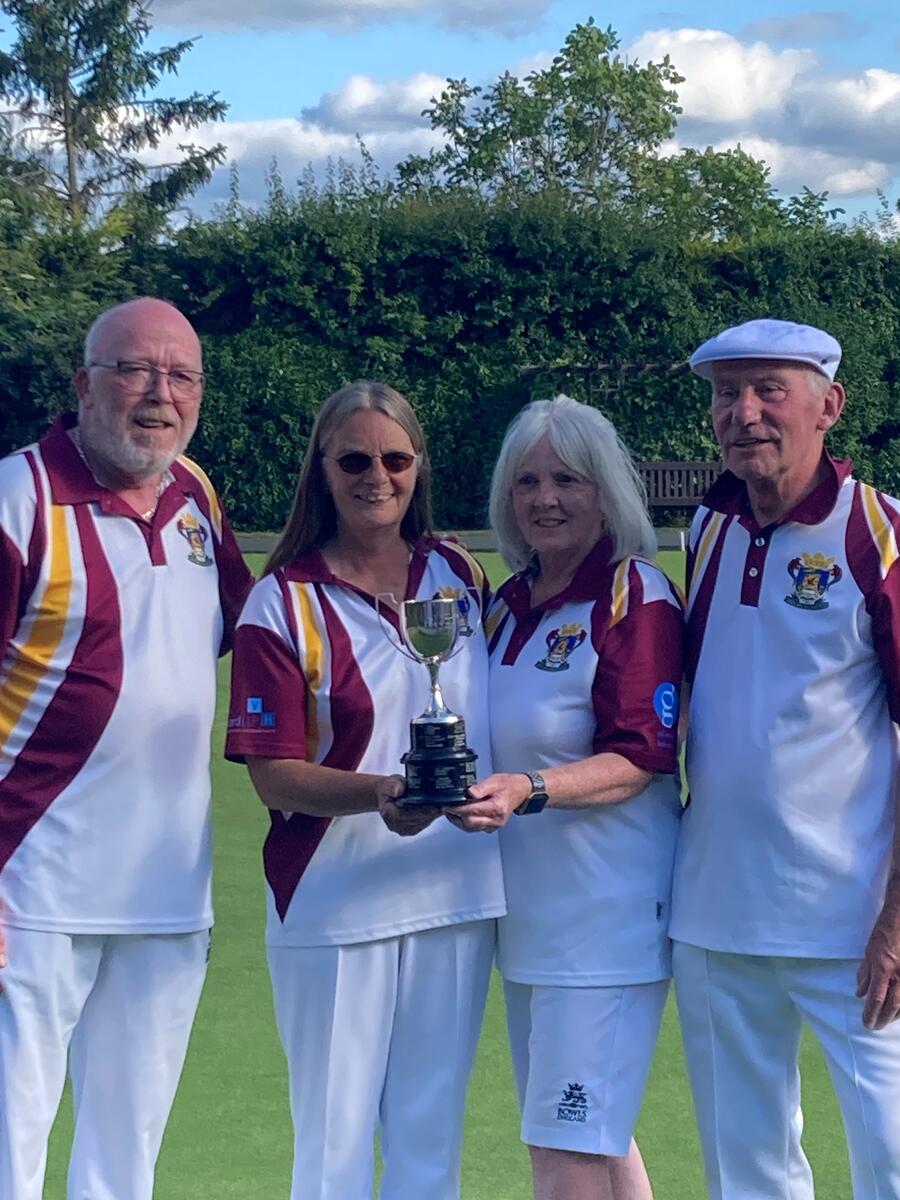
(395, 462)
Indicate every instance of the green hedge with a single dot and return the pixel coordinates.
(448, 297)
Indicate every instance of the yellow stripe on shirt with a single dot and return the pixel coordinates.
(494, 617)
(619, 605)
(705, 546)
(215, 507)
(474, 565)
(312, 662)
(881, 529)
(32, 660)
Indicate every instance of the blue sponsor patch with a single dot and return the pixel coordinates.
(254, 704)
(267, 720)
(665, 704)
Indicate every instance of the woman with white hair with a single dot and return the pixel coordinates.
(585, 653)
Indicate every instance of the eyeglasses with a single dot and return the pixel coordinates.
(395, 462)
(138, 377)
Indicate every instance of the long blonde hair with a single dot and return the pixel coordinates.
(312, 520)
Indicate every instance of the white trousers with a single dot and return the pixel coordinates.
(122, 1007)
(383, 1032)
(741, 1016)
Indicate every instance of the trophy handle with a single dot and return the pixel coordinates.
(461, 637)
(387, 628)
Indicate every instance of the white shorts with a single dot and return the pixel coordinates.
(741, 1017)
(381, 1033)
(581, 1057)
(122, 1006)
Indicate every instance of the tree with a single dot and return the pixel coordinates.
(591, 128)
(55, 278)
(81, 108)
(583, 125)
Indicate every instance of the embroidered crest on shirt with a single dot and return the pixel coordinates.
(195, 534)
(463, 603)
(813, 575)
(574, 1105)
(560, 644)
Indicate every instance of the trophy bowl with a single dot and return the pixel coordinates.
(439, 765)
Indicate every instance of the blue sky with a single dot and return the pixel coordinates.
(815, 92)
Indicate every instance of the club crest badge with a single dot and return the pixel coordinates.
(560, 644)
(463, 603)
(195, 535)
(813, 575)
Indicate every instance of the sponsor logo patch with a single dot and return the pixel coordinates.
(665, 704)
(256, 716)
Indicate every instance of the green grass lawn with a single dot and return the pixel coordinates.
(230, 1132)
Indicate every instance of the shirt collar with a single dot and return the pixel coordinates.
(311, 567)
(590, 582)
(729, 495)
(71, 479)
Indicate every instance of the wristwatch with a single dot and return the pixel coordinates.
(538, 798)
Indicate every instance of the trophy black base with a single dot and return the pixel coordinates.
(440, 767)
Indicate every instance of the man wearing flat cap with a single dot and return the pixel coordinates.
(786, 906)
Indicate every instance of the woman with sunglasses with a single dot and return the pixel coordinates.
(379, 946)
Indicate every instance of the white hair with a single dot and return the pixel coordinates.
(588, 444)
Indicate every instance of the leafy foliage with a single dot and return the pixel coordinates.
(583, 124)
(82, 105)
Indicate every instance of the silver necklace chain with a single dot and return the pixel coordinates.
(165, 479)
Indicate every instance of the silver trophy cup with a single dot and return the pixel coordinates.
(439, 765)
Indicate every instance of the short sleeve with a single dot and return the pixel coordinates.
(267, 713)
(235, 582)
(21, 542)
(884, 609)
(638, 679)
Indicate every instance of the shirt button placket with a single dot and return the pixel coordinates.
(752, 580)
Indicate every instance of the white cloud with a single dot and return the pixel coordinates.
(725, 81)
(503, 16)
(294, 144)
(535, 62)
(853, 114)
(794, 167)
(507, 16)
(362, 103)
(805, 27)
(837, 134)
(341, 15)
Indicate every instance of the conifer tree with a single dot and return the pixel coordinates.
(80, 114)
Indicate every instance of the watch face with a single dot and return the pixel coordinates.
(538, 797)
(537, 783)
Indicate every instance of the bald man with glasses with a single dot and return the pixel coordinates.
(122, 584)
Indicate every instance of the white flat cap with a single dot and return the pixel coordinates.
(768, 338)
